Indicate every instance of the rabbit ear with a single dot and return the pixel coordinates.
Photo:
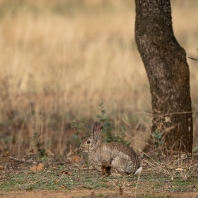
(95, 130)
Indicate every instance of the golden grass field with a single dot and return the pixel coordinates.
(60, 58)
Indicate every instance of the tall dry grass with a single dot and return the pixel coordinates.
(60, 59)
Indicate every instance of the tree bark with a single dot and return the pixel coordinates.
(168, 74)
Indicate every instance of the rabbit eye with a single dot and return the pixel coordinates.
(88, 142)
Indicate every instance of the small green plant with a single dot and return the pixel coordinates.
(38, 144)
(158, 138)
(80, 128)
(108, 127)
(158, 142)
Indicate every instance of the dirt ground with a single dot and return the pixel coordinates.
(23, 178)
(85, 193)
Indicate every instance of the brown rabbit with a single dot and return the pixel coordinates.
(110, 155)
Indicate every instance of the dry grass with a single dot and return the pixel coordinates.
(60, 59)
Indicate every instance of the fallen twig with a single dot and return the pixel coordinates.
(21, 160)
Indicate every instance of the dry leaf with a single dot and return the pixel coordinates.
(40, 167)
(65, 172)
(33, 168)
(75, 159)
(1, 167)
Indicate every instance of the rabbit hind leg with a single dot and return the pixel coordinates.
(121, 165)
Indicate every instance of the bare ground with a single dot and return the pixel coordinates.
(25, 178)
(85, 193)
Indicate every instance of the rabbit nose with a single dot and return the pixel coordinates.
(88, 142)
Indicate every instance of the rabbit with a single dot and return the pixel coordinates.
(114, 155)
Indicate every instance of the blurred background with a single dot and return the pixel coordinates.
(60, 59)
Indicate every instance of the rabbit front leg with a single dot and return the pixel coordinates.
(106, 170)
(103, 168)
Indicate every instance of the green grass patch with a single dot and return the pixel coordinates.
(70, 177)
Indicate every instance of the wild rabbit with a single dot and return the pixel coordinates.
(110, 155)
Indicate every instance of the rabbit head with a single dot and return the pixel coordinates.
(90, 144)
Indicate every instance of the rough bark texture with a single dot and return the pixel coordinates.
(168, 73)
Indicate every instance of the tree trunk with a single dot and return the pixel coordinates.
(168, 74)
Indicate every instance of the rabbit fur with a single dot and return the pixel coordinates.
(114, 155)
